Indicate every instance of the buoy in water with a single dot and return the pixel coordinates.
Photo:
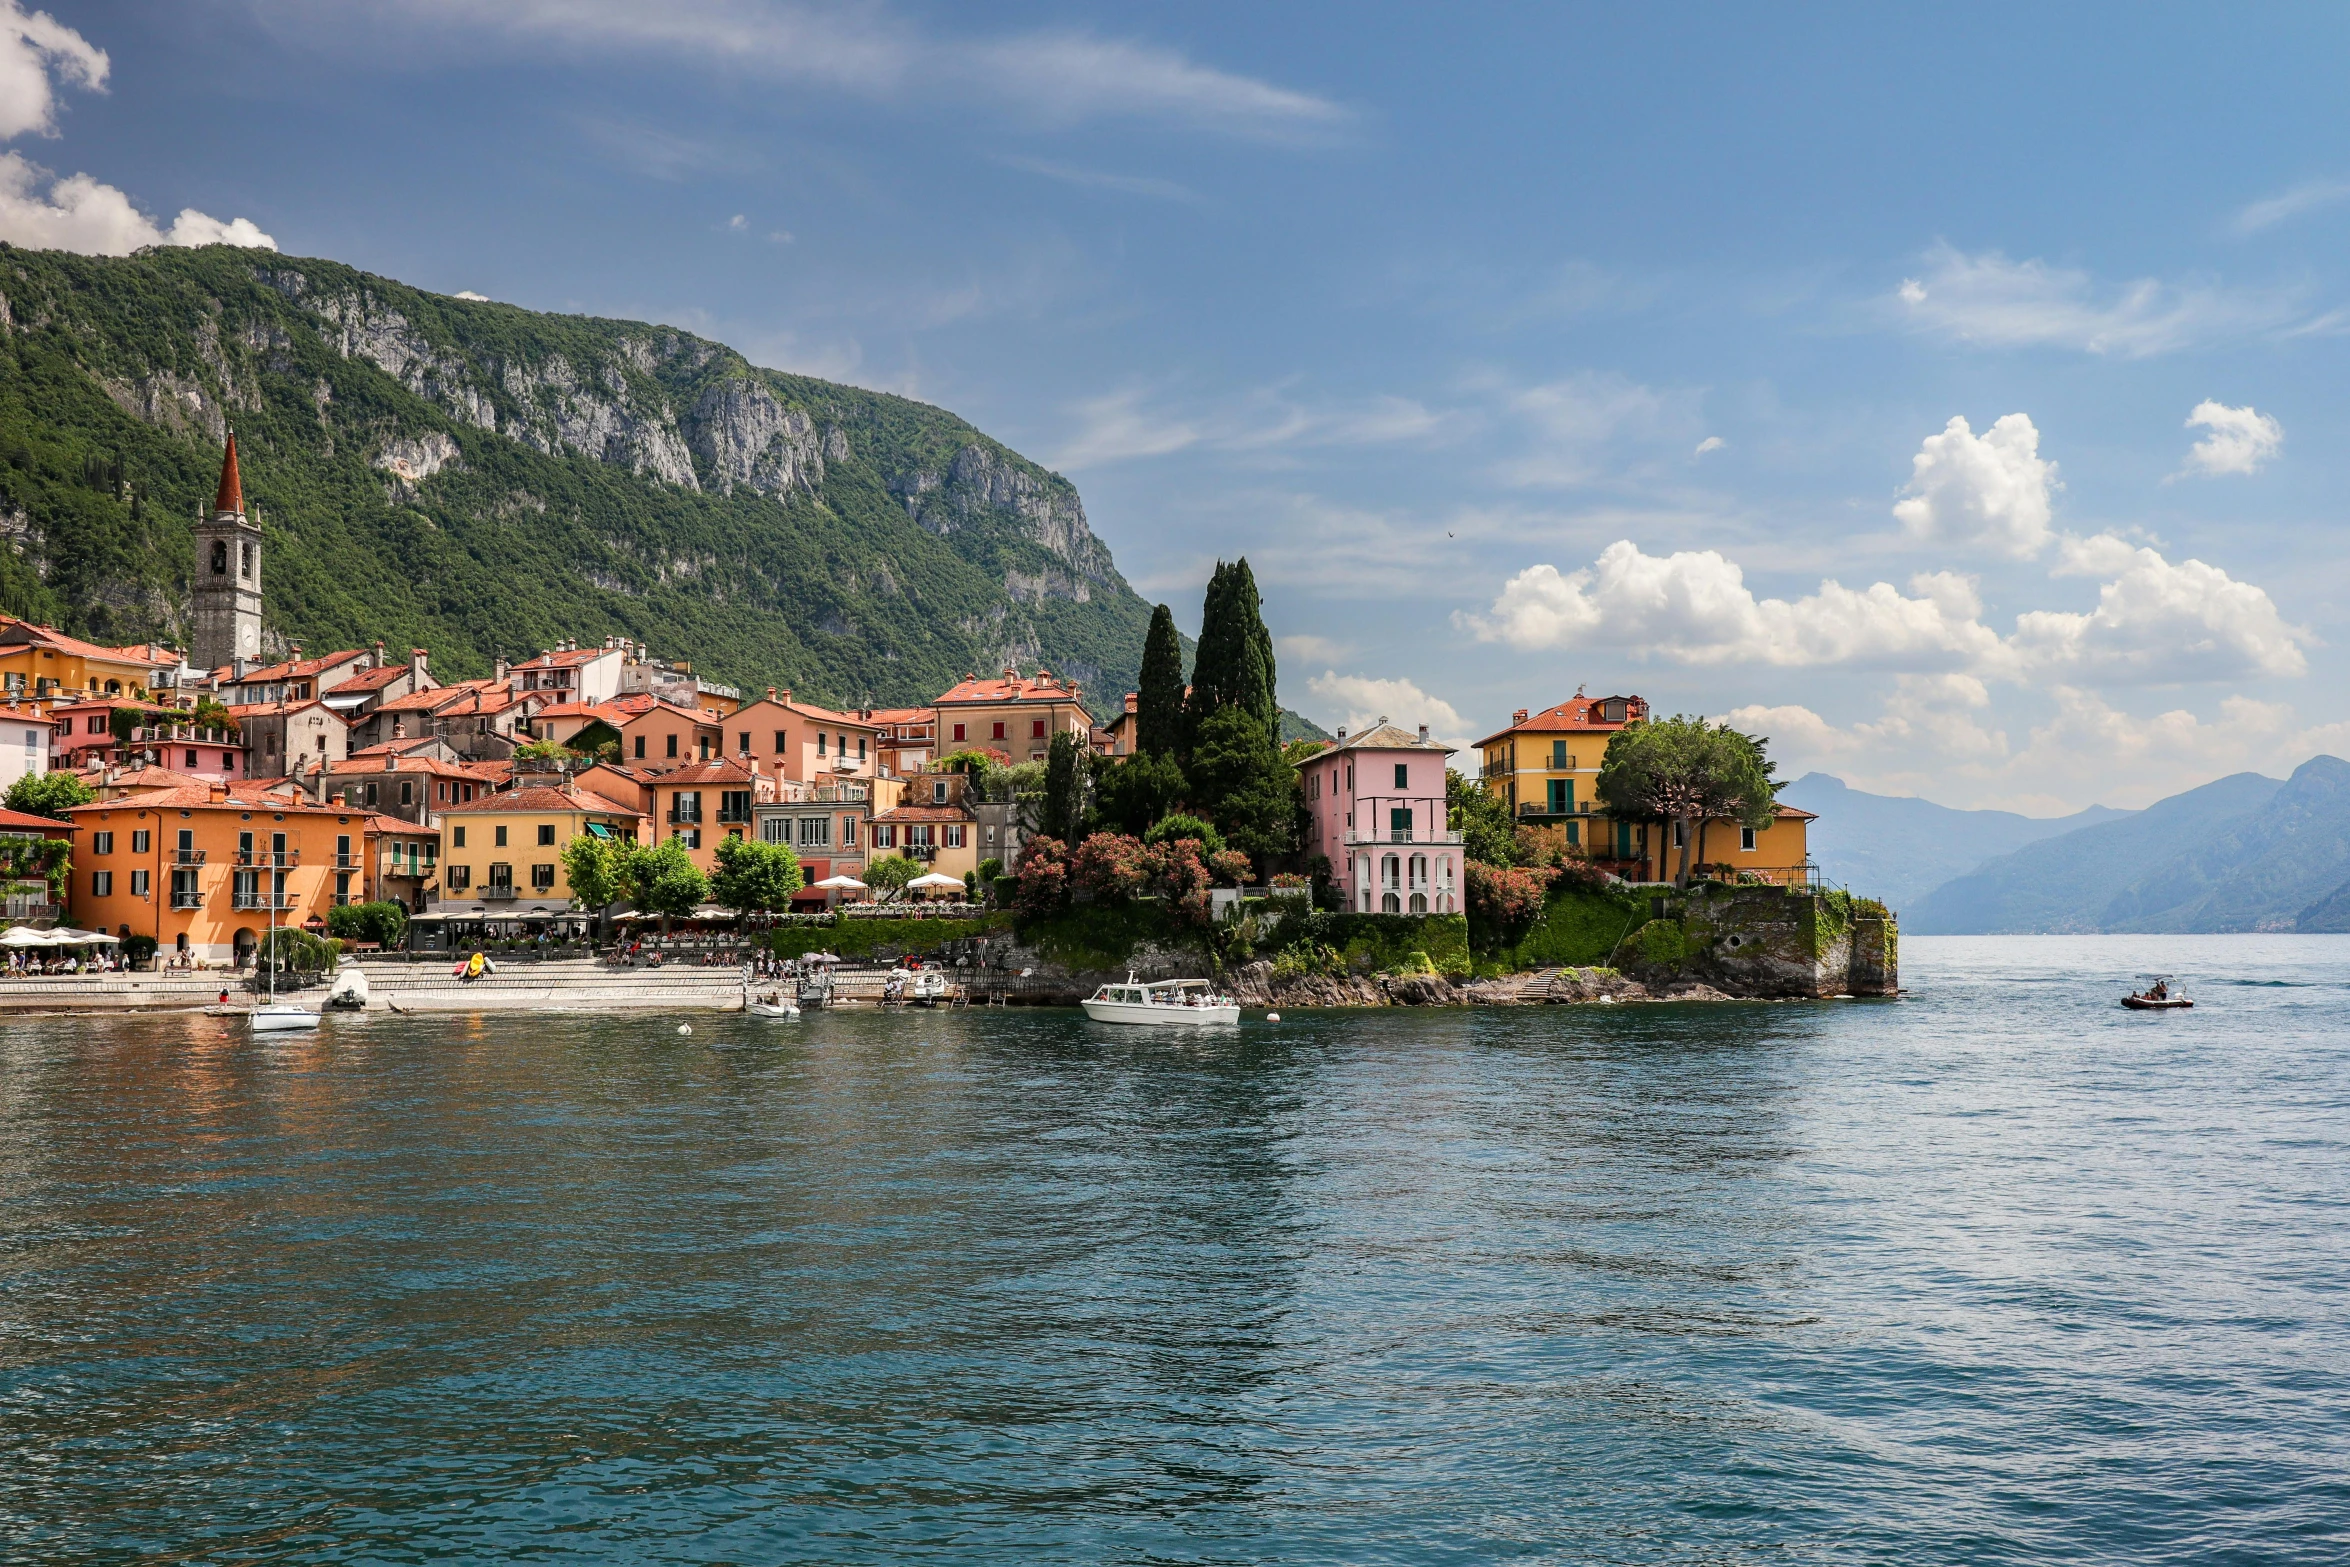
(1272, 1017)
(685, 1028)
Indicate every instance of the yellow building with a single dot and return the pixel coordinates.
(1012, 714)
(505, 851)
(38, 662)
(932, 824)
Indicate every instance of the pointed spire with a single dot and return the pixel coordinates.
(232, 489)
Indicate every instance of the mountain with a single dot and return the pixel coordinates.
(1900, 849)
(482, 480)
(2241, 853)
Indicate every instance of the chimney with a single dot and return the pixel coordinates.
(1518, 717)
(218, 793)
(379, 656)
(399, 728)
(786, 694)
(1423, 734)
(391, 762)
(294, 654)
(1133, 701)
(500, 668)
(770, 693)
(1342, 731)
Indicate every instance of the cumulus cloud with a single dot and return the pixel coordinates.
(1987, 299)
(1358, 701)
(83, 214)
(1694, 607)
(2155, 621)
(1987, 492)
(2241, 439)
(32, 46)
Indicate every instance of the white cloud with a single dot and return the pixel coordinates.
(2156, 621)
(1986, 492)
(1052, 77)
(32, 45)
(2241, 439)
(82, 214)
(2307, 197)
(1989, 300)
(1122, 426)
(467, 293)
(1712, 443)
(1576, 420)
(1305, 647)
(1097, 179)
(1358, 701)
(1694, 607)
(738, 224)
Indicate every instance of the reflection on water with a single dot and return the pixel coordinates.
(1998, 1272)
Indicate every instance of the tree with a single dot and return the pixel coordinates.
(1685, 770)
(1112, 866)
(1043, 873)
(1133, 793)
(597, 871)
(755, 877)
(663, 879)
(1167, 829)
(1062, 814)
(890, 872)
(1241, 783)
(1483, 821)
(545, 749)
(383, 922)
(49, 794)
(1234, 666)
(1158, 711)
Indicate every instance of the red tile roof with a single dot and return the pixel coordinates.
(200, 795)
(20, 821)
(299, 668)
(372, 680)
(378, 822)
(541, 799)
(23, 633)
(368, 767)
(925, 813)
(465, 698)
(1043, 686)
(570, 658)
(1576, 715)
(704, 773)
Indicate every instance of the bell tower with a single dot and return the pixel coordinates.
(224, 593)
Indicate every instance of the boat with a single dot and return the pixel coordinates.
(2156, 997)
(921, 987)
(349, 991)
(274, 1016)
(815, 989)
(1195, 1002)
(773, 1004)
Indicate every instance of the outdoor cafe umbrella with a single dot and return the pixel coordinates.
(935, 879)
(841, 883)
(25, 936)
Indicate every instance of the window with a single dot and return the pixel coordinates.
(407, 786)
(860, 748)
(542, 878)
(952, 835)
(220, 557)
(138, 884)
(342, 886)
(184, 892)
(745, 739)
(999, 732)
(371, 794)
(1746, 839)
(691, 837)
(775, 829)
(1574, 832)
(546, 835)
(815, 832)
(640, 748)
(1403, 775)
(918, 835)
(959, 734)
(500, 836)
(1562, 796)
(456, 837)
(192, 759)
(1558, 753)
(501, 875)
(96, 724)
(686, 806)
(819, 742)
(1680, 834)
(848, 832)
(938, 792)
(459, 877)
(1036, 729)
(1399, 825)
(187, 846)
(672, 746)
(101, 843)
(885, 835)
(101, 884)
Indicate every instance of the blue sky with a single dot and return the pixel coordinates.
(1519, 349)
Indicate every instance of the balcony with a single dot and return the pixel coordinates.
(688, 818)
(187, 900)
(263, 900)
(1536, 810)
(187, 856)
(734, 818)
(348, 862)
(497, 891)
(1438, 840)
(280, 859)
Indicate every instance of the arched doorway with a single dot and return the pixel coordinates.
(242, 944)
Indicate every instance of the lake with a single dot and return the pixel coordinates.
(1995, 1273)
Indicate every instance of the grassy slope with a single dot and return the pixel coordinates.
(840, 594)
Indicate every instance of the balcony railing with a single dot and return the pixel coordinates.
(348, 862)
(733, 818)
(499, 890)
(687, 818)
(1445, 839)
(187, 856)
(277, 858)
(188, 900)
(263, 900)
(1542, 808)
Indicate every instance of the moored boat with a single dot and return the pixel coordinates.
(1192, 1002)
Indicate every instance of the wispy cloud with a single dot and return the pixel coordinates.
(1988, 300)
(1052, 77)
(1125, 425)
(2309, 196)
(1097, 179)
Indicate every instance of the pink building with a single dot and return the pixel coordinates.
(1377, 800)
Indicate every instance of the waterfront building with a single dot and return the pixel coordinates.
(932, 823)
(700, 804)
(572, 674)
(906, 739)
(1377, 803)
(1545, 766)
(201, 867)
(506, 850)
(828, 825)
(410, 788)
(1116, 738)
(802, 741)
(660, 734)
(26, 736)
(1013, 714)
(224, 591)
(124, 732)
(403, 860)
(29, 897)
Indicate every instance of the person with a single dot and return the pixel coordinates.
(224, 998)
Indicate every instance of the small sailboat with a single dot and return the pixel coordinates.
(2156, 997)
(274, 1016)
(1192, 1002)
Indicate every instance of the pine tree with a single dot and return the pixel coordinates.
(1158, 713)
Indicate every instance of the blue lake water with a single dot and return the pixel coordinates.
(1995, 1273)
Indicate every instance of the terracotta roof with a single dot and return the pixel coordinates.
(925, 813)
(902, 715)
(1576, 715)
(541, 799)
(705, 773)
(372, 680)
(296, 669)
(608, 712)
(154, 778)
(465, 697)
(1794, 813)
(1040, 687)
(368, 767)
(20, 821)
(240, 711)
(1386, 737)
(200, 794)
(23, 715)
(570, 658)
(231, 494)
(23, 633)
(608, 803)
(378, 822)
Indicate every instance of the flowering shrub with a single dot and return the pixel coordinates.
(1502, 898)
(1289, 879)
(1112, 865)
(1230, 867)
(1043, 872)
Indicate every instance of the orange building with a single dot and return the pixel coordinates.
(705, 802)
(802, 741)
(1015, 714)
(906, 738)
(202, 869)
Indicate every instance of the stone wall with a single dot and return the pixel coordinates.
(1775, 941)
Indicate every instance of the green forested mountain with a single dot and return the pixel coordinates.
(482, 480)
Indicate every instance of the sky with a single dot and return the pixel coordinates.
(1955, 397)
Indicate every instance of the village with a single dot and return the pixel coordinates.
(217, 797)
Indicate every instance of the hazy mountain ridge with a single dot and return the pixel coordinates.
(482, 480)
(1899, 848)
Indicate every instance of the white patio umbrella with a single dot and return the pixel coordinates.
(937, 879)
(86, 938)
(840, 883)
(25, 936)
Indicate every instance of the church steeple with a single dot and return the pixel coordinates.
(231, 499)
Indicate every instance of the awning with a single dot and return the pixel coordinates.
(598, 830)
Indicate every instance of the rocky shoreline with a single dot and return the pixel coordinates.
(1256, 985)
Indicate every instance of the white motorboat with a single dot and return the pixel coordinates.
(1186, 1001)
(280, 1017)
(921, 987)
(773, 1004)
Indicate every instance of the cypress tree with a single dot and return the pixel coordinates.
(1158, 714)
(1234, 665)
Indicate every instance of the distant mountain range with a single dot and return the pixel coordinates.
(2241, 853)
